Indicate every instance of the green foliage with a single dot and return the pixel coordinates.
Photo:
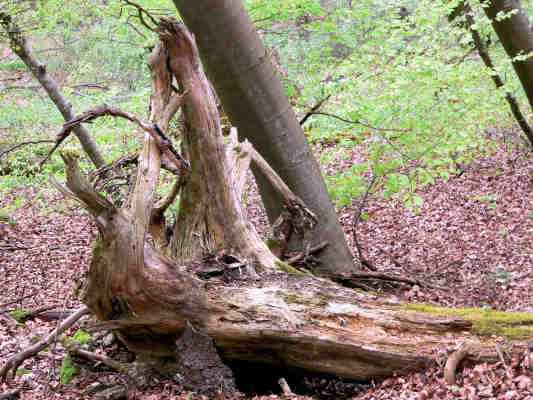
(20, 315)
(67, 371)
(82, 337)
(419, 97)
(413, 75)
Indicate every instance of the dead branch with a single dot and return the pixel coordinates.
(11, 395)
(16, 360)
(141, 12)
(34, 313)
(358, 122)
(22, 144)
(453, 362)
(299, 257)
(161, 206)
(155, 132)
(314, 109)
(356, 221)
(74, 348)
(378, 277)
(285, 388)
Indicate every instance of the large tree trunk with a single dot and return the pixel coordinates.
(21, 48)
(512, 26)
(284, 319)
(253, 97)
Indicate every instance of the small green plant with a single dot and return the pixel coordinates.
(20, 315)
(68, 370)
(82, 337)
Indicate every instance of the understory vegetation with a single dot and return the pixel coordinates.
(407, 93)
(190, 265)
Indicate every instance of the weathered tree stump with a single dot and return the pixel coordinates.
(257, 308)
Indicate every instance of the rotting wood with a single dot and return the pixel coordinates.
(280, 318)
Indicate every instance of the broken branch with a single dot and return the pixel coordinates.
(161, 140)
(16, 360)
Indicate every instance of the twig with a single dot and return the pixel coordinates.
(481, 48)
(142, 11)
(312, 250)
(16, 360)
(19, 145)
(161, 140)
(356, 220)
(16, 300)
(100, 358)
(502, 359)
(34, 313)
(314, 108)
(358, 122)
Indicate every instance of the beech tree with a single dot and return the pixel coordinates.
(215, 277)
(511, 24)
(253, 97)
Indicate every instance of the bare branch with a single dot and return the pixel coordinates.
(141, 12)
(314, 109)
(155, 132)
(16, 360)
(357, 122)
(22, 144)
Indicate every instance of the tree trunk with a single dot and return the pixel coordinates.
(283, 319)
(512, 26)
(254, 99)
(483, 52)
(21, 48)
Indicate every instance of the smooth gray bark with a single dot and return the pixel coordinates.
(514, 32)
(253, 97)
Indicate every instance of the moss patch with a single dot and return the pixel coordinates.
(513, 325)
(283, 266)
(68, 370)
(272, 243)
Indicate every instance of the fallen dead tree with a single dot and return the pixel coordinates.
(214, 274)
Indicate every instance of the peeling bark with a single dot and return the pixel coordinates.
(253, 97)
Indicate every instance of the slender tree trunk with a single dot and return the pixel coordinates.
(20, 46)
(512, 26)
(253, 97)
(483, 52)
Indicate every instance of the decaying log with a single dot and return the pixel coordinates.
(149, 295)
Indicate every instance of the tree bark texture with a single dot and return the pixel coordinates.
(21, 48)
(511, 24)
(288, 320)
(483, 52)
(253, 97)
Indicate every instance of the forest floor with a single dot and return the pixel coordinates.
(472, 238)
